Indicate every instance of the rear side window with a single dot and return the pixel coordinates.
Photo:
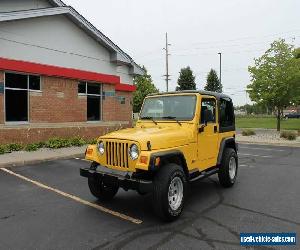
(226, 114)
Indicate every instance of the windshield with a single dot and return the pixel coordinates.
(179, 107)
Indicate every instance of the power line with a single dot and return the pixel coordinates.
(243, 38)
(52, 49)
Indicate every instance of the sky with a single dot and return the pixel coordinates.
(197, 30)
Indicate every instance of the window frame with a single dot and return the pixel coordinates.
(100, 95)
(232, 126)
(157, 119)
(215, 110)
(28, 90)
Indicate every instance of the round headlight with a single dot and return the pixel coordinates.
(101, 147)
(134, 152)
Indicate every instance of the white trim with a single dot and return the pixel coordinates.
(17, 123)
(24, 14)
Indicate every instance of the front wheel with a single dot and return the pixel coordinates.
(169, 192)
(229, 167)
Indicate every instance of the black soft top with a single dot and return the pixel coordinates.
(201, 92)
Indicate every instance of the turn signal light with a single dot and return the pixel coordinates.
(89, 151)
(144, 159)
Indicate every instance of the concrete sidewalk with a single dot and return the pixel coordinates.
(21, 158)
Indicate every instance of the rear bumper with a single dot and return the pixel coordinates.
(127, 180)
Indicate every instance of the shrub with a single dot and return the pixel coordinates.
(32, 147)
(289, 135)
(14, 147)
(248, 132)
(4, 149)
(57, 143)
(92, 141)
(77, 141)
(41, 144)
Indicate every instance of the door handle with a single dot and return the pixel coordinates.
(215, 129)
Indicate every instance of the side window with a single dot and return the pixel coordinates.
(226, 113)
(208, 110)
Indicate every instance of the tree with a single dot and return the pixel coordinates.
(213, 82)
(144, 86)
(296, 99)
(273, 78)
(186, 79)
(297, 53)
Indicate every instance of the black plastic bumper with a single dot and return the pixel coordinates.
(126, 180)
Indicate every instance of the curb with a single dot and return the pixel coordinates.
(271, 144)
(27, 162)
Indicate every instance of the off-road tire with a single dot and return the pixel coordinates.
(161, 184)
(100, 190)
(224, 176)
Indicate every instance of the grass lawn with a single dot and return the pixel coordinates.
(266, 122)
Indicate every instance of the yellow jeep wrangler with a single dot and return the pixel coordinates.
(180, 137)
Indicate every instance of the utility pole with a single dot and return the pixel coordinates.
(167, 62)
(220, 54)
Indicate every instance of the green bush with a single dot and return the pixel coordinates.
(92, 141)
(32, 147)
(77, 141)
(57, 143)
(51, 143)
(289, 135)
(248, 132)
(4, 149)
(14, 147)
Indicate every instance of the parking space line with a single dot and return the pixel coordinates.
(265, 149)
(82, 159)
(264, 156)
(75, 198)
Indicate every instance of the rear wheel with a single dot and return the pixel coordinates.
(102, 189)
(228, 169)
(169, 192)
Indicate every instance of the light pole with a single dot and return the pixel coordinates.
(220, 67)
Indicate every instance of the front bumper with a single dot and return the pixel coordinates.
(126, 180)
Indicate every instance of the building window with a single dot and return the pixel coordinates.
(93, 91)
(17, 87)
(34, 82)
(82, 88)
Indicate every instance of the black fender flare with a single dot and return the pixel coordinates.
(164, 156)
(226, 142)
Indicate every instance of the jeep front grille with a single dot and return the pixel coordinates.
(117, 154)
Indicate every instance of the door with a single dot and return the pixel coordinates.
(208, 133)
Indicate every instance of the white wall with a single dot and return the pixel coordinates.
(14, 5)
(60, 34)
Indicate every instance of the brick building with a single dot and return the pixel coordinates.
(59, 75)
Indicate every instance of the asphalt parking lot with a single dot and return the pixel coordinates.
(49, 206)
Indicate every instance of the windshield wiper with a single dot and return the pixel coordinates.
(149, 118)
(172, 118)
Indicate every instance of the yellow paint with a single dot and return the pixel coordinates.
(199, 149)
(75, 198)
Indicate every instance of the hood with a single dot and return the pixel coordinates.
(159, 137)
